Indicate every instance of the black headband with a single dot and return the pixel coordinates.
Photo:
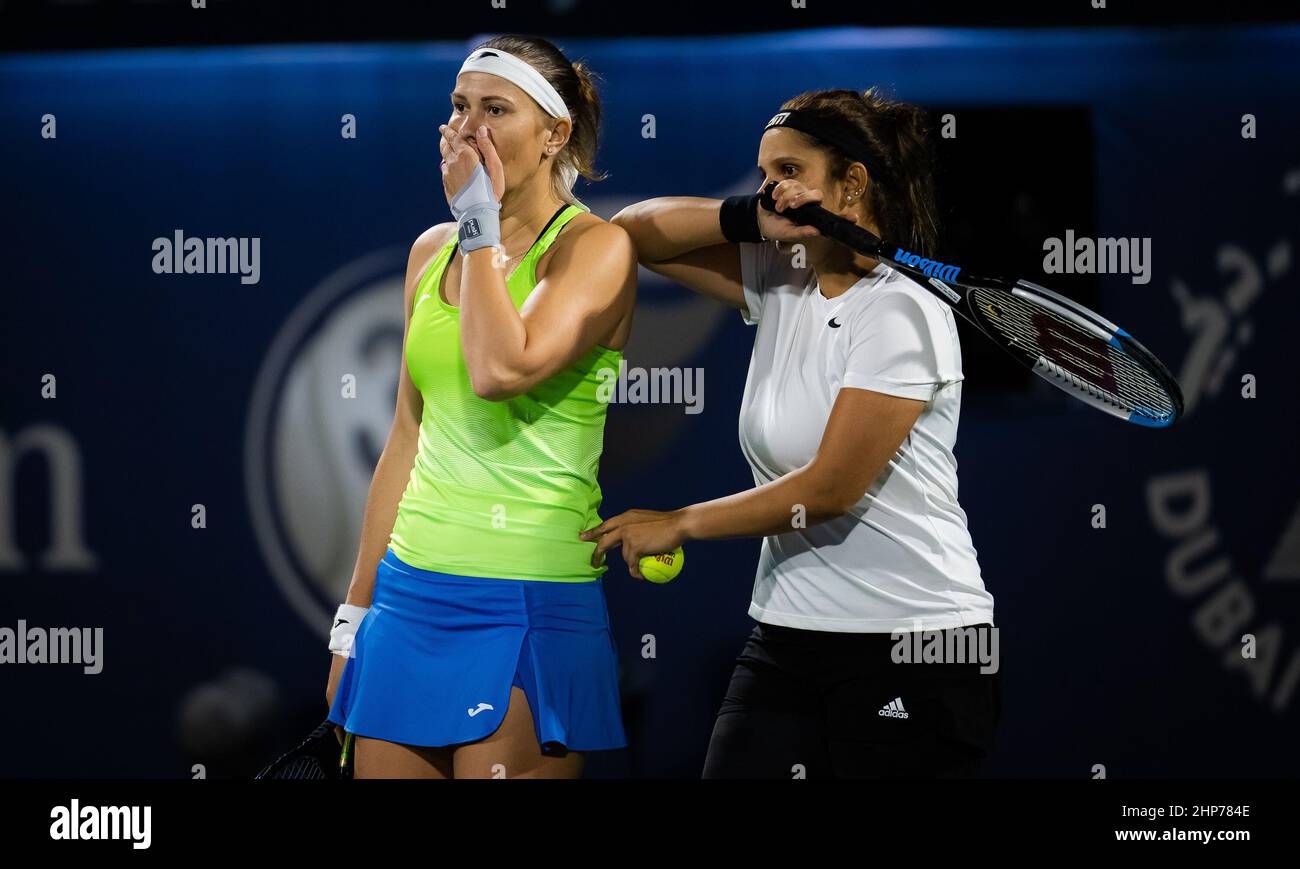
(854, 147)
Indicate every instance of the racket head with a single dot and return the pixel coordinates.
(317, 757)
(1073, 348)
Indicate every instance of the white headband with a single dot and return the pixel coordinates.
(520, 73)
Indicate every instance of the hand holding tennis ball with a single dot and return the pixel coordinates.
(663, 567)
(650, 541)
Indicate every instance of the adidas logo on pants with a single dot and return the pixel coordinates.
(894, 709)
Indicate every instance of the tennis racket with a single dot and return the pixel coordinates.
(1066, 344)
(316, 757)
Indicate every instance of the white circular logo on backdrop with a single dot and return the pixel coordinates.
(310, 452)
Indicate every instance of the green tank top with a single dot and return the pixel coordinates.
(501, 489)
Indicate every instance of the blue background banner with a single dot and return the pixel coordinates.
(1120, 645)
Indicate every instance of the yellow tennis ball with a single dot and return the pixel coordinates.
(663, 567)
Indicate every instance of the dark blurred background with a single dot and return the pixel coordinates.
(128, 397)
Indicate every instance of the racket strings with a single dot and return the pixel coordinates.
(1073, 354)
(316, 757)
(301, 768)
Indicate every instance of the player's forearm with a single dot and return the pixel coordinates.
(492, 334)
(669, 226)
(800, 499)
(386, 487)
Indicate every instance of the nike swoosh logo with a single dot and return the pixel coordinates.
(833, 324)
(481, 707)
(342, 622)
(421, 299)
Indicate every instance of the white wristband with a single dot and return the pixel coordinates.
(346, 622)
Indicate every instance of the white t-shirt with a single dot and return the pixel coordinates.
(902, 557)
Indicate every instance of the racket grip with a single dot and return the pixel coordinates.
(832, 226)
(345, 756)
(805, 215)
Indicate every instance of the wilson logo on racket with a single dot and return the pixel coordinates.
(928, 267)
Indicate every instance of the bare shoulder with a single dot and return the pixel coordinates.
(423, 250)
(431, 241)
(595, 229)
(590, 240)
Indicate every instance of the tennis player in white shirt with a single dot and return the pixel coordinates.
(848, 421)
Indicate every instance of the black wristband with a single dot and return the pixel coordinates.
(739, 218)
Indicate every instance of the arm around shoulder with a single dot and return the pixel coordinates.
(680, 237)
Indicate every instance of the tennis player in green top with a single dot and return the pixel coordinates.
(475, 638)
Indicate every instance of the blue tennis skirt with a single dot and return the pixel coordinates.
(435, 658)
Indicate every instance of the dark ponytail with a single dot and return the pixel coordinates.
(902, 195)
